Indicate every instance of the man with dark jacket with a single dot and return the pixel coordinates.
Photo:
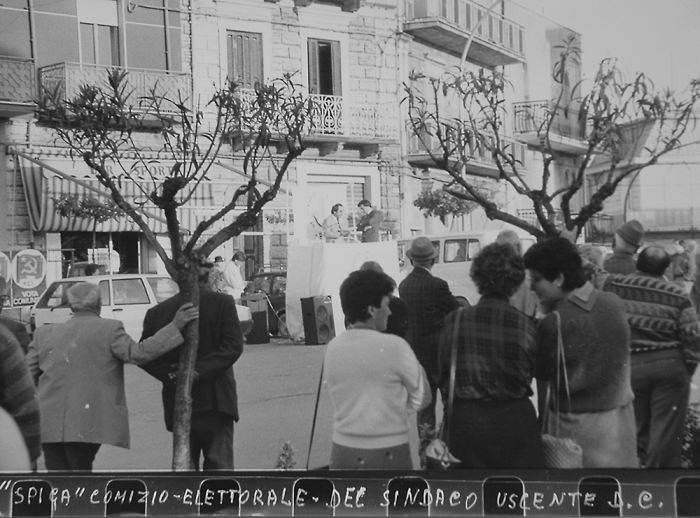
(627, 240)
(665, 347)
(214, 398)
(429, 300)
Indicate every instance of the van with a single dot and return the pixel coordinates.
(456, 251)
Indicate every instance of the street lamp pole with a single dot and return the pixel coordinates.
(473, 32)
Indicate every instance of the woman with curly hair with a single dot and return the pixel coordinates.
(494, 424)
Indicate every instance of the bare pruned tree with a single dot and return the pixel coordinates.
(465, 111)
(108, 128)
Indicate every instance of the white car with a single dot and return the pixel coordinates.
(125, 297)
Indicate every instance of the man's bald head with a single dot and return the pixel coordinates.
(653, 260)
(509, 237)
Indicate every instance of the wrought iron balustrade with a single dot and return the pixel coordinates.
(476, 151)
(465, 15)
(533, 117)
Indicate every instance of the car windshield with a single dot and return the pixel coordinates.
(56, 295)
(163, 288)
(261, 284)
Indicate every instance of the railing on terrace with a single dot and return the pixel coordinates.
(598, 229)
(464, 14)
(478, 153)
(16, 80)
(340, 116)
(532, 117)
(173, 85)
(667, 219)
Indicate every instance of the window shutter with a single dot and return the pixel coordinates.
(314, 76)
(245, 58)
(337, 86)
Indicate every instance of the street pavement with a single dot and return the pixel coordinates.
(277, 385)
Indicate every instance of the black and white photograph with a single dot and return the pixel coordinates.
(420, 237)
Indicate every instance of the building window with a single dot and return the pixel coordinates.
(245, 58)
(153, 35)
(324, 67)
(99, 32)
(99, 44)
(14, 29)
(144, 34)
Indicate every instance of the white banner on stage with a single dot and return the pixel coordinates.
(319, 269)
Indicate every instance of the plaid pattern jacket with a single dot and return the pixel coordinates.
(496, 352)
(429, 300)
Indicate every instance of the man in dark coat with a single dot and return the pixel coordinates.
(627, 240)
(214, 398)
(429, 300)
(370, 222)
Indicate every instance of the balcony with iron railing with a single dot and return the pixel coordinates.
(364, 123)
(140, 82)
(685, 219)
(480, 162)
(566, 134)
(17, 86)
(598, 229)
(448, 24)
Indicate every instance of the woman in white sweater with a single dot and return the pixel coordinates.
(374, 380)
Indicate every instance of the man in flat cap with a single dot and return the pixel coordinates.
(628, 238)
(429, 300)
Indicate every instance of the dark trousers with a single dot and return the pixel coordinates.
(69, 456)
(661, 393)
(211, 435)
(496, 434)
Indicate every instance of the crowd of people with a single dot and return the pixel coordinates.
(610, 345)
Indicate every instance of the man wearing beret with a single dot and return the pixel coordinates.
(429, 300)
(628, 238)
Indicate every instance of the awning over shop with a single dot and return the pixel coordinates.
(41, 184)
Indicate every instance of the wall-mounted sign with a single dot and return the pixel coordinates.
(5, 272)
(29, 277)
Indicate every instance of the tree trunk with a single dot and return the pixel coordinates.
(182, 415)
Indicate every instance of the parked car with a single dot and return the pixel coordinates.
(125, 297)
(273, 285)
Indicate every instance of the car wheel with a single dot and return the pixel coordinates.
(282, 330)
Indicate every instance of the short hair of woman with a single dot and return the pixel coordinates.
(363, 288)
(554, 256)
(84, 296)
(498, 270)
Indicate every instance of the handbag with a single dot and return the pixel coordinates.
(560, 452)
(437, 453)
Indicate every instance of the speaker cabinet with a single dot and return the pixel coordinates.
(317, 314)
(260, 332)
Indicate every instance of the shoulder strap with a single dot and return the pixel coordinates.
(313, 423)
(453, 373)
